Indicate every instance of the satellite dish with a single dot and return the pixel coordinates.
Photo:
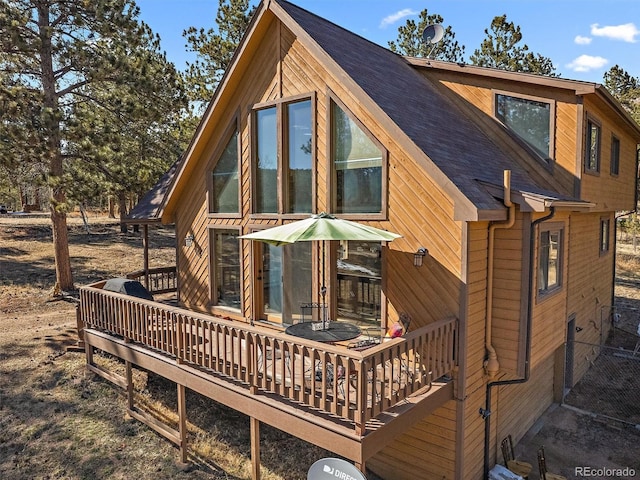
(332, 468)
(431, 35)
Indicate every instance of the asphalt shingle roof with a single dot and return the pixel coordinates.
(453, 142)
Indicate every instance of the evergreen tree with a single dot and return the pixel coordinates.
(410, 42)
(501, 49)
(64, 61)
(215, 48)
(625, 88)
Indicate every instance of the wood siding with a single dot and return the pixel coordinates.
(609, 192)
(509, 294)
(475, 352)
(429, 448)
(590, 292)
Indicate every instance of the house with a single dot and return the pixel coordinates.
(504, 187)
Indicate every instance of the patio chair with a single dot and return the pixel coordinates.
(266, 359)
(542, 465)
(374, 336)
(516, 466)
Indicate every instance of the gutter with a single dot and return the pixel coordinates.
(486, 412)
(491, 364)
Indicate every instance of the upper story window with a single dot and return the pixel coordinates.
(225, 196)
(283, 175)
(550, 260)
(358, 165)
(530, 119)
(592, 148)
(615, 155)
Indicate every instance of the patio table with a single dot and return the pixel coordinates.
(334, 331)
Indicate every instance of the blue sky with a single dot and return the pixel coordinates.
(583, 38)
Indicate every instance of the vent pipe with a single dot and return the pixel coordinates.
(491, 364)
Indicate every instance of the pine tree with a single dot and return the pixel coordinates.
(501, 49)
(62, 59)
(410, 42)
(215, 48)
(625, 88)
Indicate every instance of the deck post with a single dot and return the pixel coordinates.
(255, 448)
(129, 379)
(182, 419)
(89, 353)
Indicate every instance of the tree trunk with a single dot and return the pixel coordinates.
(122, 201)
(112, 207)
(64, 277)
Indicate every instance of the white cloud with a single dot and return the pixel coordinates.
(580, 40)
(586, 63)
(627, 32)
(394, 17)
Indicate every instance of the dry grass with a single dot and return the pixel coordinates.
(59, 422)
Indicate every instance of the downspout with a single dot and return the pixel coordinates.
(491, 364)
(486, 412)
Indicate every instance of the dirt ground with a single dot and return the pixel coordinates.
(58, 422)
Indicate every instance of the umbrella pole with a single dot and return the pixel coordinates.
(323, 290)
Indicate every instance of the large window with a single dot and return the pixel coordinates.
(226, 271)
(359, 281)
(298, 158)
(615, 155)
(530, 119)
(550, 260)
(592, 150)
(283, 181)
(357, 162)
(224, 187)
(266, 179)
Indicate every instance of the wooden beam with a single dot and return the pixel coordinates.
(182, 422)
(129, 380)
(255, 448)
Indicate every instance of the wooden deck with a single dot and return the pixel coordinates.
(347, 401)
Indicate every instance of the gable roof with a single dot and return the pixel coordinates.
(453, 150)
(150, 208)
(450, 142)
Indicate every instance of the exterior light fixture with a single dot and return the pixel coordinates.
(188, 240)
(418, 256)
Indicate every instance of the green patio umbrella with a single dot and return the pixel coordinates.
(321, 227)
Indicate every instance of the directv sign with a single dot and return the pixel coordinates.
(334, 468)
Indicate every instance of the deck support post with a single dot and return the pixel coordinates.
(182, 419)
(129, 380)
(89, 353)
(255, 448)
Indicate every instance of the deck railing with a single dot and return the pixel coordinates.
(157, 280)
(354, 385)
